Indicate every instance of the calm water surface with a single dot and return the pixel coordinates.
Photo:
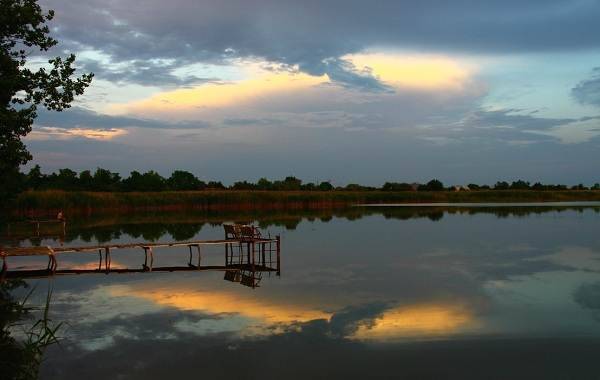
(427, 292)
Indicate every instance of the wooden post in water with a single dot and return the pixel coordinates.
(107, 259)
(278, 255)
(199, 256)
(227, 252)
(253, 245)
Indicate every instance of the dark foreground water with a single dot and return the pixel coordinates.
(427, 292)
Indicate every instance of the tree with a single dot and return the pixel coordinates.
(394, 186)
(433, 185)
(520, 185)
(215, 185)
(243, 185)
(182, 180)
(538, 186)
(35, 178)
(67, 180)
(149, 181)
(289, 183)
(22, 30)
(264, 184)
(501, 185)
(325, 186)
(86, 180)
(581, 186)
(105, 180)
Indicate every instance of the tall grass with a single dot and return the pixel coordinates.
(21, 358)
(46, 202)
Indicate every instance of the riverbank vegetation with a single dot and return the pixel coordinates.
(102, 180)
(105, 191)
(49, 202)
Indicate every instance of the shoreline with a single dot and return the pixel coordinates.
(41, 203)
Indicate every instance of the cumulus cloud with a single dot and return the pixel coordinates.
(415, 88)
(314, 35)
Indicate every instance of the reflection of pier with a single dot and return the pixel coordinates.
(246, 258)
(35, 225)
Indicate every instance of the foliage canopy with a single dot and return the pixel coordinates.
(23, 31)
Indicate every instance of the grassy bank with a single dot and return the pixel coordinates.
(47, 202)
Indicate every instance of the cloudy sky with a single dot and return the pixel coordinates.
(347, 91)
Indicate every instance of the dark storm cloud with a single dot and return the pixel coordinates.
(77, 117)
(309, 33)
(588, 91)
(344, 72)
(142, 72)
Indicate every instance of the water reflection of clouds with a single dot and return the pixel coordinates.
(427, 320)
(252, 306)
(260, 315)
(349, 285)
(587, 295)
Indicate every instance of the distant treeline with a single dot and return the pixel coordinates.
(180, 180)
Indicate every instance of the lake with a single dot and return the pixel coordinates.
(383, 292)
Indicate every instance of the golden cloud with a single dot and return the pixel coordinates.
(213, 96)
(55, 133)
(413, 71)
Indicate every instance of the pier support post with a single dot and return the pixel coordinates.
(107, 259)
(278, 255)
(199, 256)
(147, 250)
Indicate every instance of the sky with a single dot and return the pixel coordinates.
(345, 91)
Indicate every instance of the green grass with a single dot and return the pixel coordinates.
(47, 202)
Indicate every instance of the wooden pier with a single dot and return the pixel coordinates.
(246, 258)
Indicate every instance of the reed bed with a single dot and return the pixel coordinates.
(33, 203)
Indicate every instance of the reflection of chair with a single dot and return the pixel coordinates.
(232, 275)
(251, 278)
(250, 232)
(232, 231)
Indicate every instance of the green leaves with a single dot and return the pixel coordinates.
(23, 26)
